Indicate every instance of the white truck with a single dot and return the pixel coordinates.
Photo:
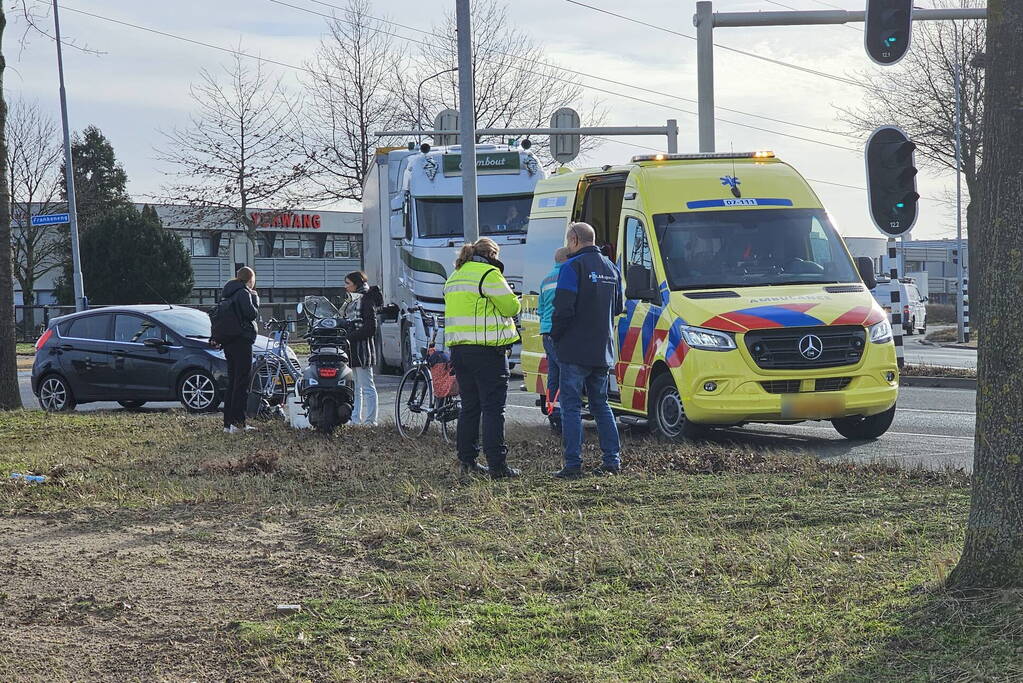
(412, 230)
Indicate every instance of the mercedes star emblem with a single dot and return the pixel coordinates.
(811, 347)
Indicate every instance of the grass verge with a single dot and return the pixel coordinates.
(938, 371)
(703, 563)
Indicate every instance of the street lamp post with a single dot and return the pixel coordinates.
(69, 178)
(419, 96)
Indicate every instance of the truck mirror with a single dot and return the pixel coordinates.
(866, 267)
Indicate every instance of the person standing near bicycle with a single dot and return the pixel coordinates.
(365, 301)
(479, 330)
(234, 329)
(545, 308)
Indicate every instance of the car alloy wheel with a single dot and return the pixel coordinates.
(198, 392)
(54, 395)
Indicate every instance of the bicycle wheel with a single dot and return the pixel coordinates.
(447, 415)
(268, 389)
(413, 403)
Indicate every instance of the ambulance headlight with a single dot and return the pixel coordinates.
(881, 332)
(708, 340)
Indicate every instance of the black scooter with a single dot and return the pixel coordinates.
(327, 386)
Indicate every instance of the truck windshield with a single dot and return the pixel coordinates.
(442, 217)
(751, 248)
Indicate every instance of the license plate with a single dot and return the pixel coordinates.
(812, 407)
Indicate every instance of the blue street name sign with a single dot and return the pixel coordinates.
(51, 219)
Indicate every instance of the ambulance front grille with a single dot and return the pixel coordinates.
(779, 349)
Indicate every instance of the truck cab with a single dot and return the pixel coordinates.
(743, 304)
(412, 230)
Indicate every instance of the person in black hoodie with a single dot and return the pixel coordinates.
(240, 304)
(362, 307)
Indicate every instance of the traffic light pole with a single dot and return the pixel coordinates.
(467, 112)
(896, 301)
(706, 20)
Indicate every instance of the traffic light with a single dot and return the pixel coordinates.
(891, 181)
(888, 30)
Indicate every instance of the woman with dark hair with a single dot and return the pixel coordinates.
(365, 300)
(235, 332)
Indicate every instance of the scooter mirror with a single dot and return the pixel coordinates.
(299, 308)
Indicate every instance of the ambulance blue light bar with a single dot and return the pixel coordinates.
(761, 154)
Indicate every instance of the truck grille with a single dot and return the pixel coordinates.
(822, 347)
(832, 383)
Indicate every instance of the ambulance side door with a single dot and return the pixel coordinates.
(637, 325)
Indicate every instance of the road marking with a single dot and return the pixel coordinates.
(930, 410)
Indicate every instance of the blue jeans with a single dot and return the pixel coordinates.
(553, 376)
(573, 379)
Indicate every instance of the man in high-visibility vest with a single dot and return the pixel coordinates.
(479, 329)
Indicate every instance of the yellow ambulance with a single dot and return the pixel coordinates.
(743, 304)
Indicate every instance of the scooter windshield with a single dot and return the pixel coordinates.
(317, 307)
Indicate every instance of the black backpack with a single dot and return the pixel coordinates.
(225, 323)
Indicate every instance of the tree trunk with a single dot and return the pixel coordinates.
(10, 395)
(993, 552)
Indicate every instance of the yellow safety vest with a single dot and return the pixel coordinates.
(479, 307)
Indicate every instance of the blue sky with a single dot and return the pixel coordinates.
(139, 83)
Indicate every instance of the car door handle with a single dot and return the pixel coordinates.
(66, 347)
(119, 353)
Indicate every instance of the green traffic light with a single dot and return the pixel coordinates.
(900, 205)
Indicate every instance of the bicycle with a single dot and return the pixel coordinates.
(422, 398)
(274, 375)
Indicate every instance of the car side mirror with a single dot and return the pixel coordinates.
(637, 284)
(865, 265)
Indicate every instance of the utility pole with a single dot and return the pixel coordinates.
(960, 328)
(69, 177)
(467, 123)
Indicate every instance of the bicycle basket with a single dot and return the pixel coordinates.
(445, 385)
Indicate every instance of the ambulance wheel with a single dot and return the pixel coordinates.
(865, 428)
(666, 414)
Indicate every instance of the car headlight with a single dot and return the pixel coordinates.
(708, 340)
(216, 353)
(881, 332)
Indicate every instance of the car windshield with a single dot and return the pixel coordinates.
(751, 248)
(439, 217)
(187, 322)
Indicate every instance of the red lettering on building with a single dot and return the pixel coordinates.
(286, 220)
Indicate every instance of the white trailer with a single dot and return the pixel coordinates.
(412, 230)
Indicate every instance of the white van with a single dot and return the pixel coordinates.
(914, 304)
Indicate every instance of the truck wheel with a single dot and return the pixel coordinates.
(864, 428)
(666, 413)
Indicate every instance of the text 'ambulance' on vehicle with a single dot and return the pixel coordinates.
(742, 302)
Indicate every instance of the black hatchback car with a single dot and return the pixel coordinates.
(132, 355)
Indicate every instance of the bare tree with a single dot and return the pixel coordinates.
(993, 550)
(351, 96)
(515, 85)
(242, 148)
(34, 161)
(919, 94)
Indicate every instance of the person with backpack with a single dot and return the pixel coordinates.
(479, 330)
(365, 300)
(234, 329)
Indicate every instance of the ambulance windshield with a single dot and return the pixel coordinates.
(751, 248)
(442, 216)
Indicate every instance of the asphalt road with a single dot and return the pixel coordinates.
(919, 352)
(933, 427)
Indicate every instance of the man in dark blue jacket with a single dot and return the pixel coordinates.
(586, 302)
